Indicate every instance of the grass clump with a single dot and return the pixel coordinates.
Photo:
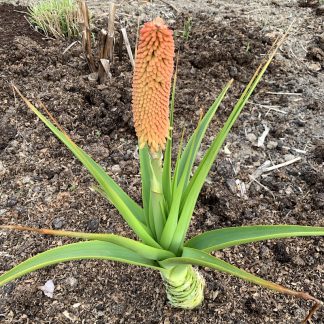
(56, 18)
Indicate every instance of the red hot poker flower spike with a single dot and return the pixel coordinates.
(152, 84)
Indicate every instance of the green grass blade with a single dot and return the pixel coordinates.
(226, 237)
(77, 251)
(199, 177)
(142, 249)
(193, 145)
(130, 211)
(166, 173)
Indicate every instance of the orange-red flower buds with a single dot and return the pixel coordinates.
(152, 83)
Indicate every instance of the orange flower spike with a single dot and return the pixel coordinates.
(152, 84)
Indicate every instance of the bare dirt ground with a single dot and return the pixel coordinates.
(42, 185)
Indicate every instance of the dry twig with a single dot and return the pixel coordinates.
(277, 166)
(128, 47)
(106, 46)
(171, 5)
(86, 35)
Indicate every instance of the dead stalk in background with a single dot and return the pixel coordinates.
(86, 35)
(106, 49)
(128, 47)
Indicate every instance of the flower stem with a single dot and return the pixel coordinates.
(157, 198)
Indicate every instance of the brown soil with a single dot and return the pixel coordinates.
(42, 185)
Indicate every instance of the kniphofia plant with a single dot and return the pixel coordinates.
(168, 196)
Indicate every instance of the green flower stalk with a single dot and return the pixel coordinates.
(169, 196)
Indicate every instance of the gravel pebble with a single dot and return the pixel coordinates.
(115, 168)
(58, 223)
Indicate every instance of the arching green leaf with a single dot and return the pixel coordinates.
(225, 237)
(131, 212)
(78, 251)
(142, 249)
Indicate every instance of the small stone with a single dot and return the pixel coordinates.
(21, 210)
(233, 71)
(76, 305)
(93, 224)
(101, 314)
(36, 189)
(288, 157)
(320, 10)
(11, 202)
(281, 253)
(116, 168)
(314, 66)
(298, 260)
(251, 137)
(26, 180)
(265, 252)
(93, 76)
(280, 146)
(8, 288)
(71, 281)
(100, 307)
(272, 145)
(289, 190)
(57, 223)
(299, 122)
(231, 185)
(315, 53)
(2, 169)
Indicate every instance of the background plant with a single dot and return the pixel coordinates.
(168, 196)
(187, 28)
(57, 18)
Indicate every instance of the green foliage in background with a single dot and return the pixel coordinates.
(55, 18)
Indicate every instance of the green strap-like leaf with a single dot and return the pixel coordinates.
(225, 237)
(131, 212)
(172, 220)
(193, 145)
(142, 249)
(193, 189)
(77, 251)
(166, 173)
(196, 257)
(174, 183)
